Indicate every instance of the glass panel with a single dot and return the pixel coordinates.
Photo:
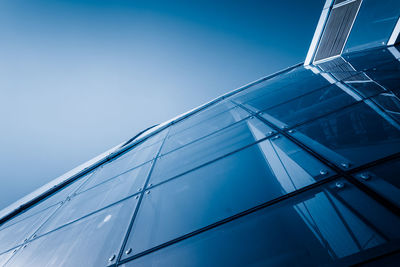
(5, 257)
(134, 179)
(16, 234)
(134, 158)
(367, 88)
(209, 113)
(379, 64)
(384, 179)
(98, 197)
(254, 175)
(202, 129)
(208, 149)
(390, 103)
(374, 24)
(318, 227)
(280, 89)
(309, 106)
(88, 242)
(51, 200)
(353, 136)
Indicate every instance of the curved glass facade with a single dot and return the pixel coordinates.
(300, 169)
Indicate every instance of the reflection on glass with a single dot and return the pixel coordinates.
(91, 241)
(280, 89)
(245, 179)
(209, 148)
(51, 200)
(219, 110)
(308, 107)
(187, 135)
(384, 179)
(318, 227)
(98, 197)
(131, 159)
(5, 257)
(15, 234)
(374, 24)
(353, 136)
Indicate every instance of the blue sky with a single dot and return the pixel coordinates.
(79, 77)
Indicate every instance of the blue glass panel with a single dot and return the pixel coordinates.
(15, 234)
(384, 179)
(309, 106)
(280, 89)
(98, 197)
(88, 242)
(367, 88)
(5, 257)
(254, 175)
(374, 24)
(203, 116)
(353, 136)
(51, 200)
(390, 103)
(322, 226)
(138, 155)
(208, 149)
(132, 180)
(187, 135)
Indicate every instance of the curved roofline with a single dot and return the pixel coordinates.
(72, 175)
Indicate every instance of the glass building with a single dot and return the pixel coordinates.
(300, 168)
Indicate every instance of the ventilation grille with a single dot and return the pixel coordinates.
(337, 29)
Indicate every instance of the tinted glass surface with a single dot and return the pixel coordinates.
(51, 200)
(16, 234)
(325, 225)
(209, 148)
(223, 188)
(309, 106)
(201, 129)
(374, 24)
(210, 113)
(87, 242)
(98, 197)
(133, 158)
(384, 179)
(352, 136)
(280, 89)
(5, 256)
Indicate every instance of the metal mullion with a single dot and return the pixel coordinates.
(130, 226)
(377, 197)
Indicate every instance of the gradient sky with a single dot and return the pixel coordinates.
(79, 77)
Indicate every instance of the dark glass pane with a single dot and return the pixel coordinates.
(201, 129)
(380, 65)
(321, 226)
(353, 136)
(209, 148)
(367, 88)
(374, 24)
(308, 107)
(280, 89)
(390, 103)
(384, 179)
(254, 175)
(98, 197)
(88, 242)
(15, 234)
